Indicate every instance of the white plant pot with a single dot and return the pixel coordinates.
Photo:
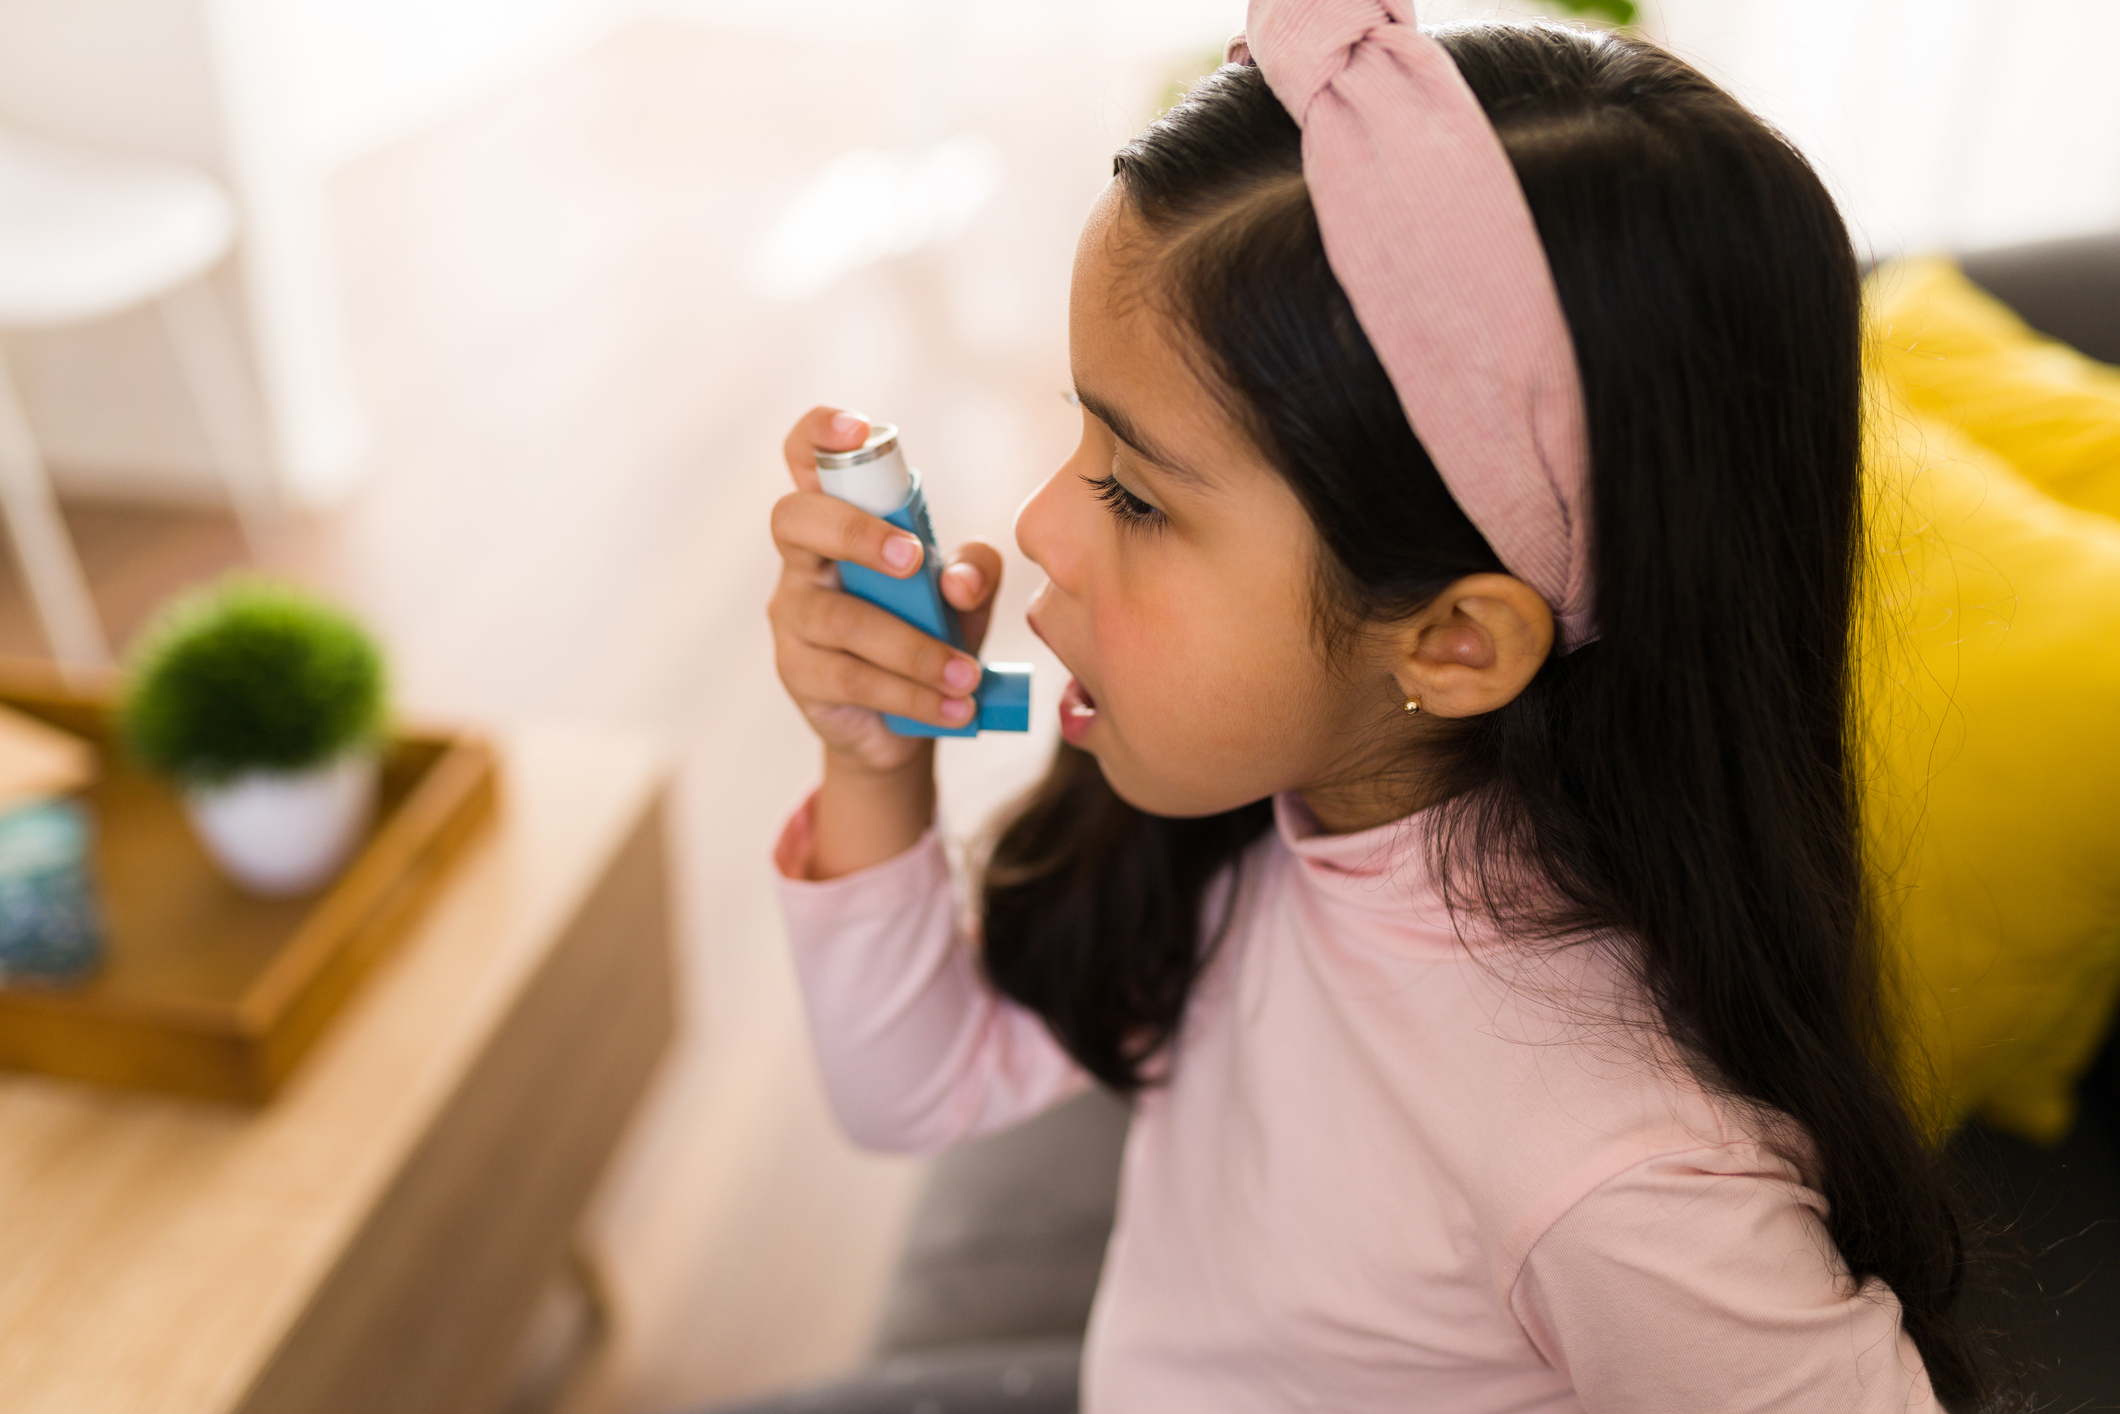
(286, 832)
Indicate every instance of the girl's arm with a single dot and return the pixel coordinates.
(1689, 1283)
(917, 1051)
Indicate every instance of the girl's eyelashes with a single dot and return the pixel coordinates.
(1125, 506)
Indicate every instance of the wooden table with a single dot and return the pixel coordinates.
(375, 1238)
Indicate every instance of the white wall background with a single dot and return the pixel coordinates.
(1940, 123)
(272, 96)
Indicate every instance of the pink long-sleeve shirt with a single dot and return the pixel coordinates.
(1391, 1167)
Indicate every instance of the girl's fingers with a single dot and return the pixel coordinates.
(834, 429)
(835, 651)
(970, 584)
(825, 677)
(810, 527)
(973, 576)
(829, 619)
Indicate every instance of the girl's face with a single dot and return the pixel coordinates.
(1180, 567)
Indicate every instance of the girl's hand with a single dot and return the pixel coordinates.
(844, 661)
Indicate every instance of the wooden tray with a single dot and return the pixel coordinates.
(206, 990)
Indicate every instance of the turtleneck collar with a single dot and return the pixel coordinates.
(1385, 872)
(1384, 869)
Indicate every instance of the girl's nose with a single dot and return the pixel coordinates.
(1042, 531)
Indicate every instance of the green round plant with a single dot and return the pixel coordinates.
(250, 676)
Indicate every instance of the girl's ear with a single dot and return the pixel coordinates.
(1475, 647)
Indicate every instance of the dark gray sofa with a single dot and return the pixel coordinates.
(990, 1299)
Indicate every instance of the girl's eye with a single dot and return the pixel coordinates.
(1124, 505)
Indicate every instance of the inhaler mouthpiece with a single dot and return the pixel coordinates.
(873, 476)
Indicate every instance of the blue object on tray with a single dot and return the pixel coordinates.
(50, 928)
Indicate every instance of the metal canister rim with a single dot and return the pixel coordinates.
(883, 440)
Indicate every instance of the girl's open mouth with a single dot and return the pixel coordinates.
(1078, 712)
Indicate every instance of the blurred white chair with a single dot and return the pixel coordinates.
(84, 235)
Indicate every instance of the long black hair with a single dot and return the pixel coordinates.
(1684, 783)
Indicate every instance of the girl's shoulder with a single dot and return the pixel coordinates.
(1577, 1080)
(1588, 1126)
(1531, 1072)
(1523, 1073)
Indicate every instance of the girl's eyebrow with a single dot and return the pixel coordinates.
(1126, 431)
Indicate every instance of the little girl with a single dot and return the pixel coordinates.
(1453, 850)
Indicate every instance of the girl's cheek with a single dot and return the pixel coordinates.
(1111, 640)
(1125, 605)
(1141, 651)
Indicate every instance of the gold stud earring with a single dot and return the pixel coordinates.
(1413, 705)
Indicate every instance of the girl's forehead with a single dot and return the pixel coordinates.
(1136, 367)
(1115, 311)
(1104, 214)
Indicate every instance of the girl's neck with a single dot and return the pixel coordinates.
(1347, 807)
(1385, 775)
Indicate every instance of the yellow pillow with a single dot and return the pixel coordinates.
(1991, 692)
(1953, 351)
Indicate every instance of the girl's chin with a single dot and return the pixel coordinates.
(1078, 713)
(1150, 795)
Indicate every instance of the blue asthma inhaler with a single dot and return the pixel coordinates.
(874, 476)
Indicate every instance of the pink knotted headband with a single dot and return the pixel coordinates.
(1427, 229)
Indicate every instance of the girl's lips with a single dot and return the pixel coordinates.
(1078, 712)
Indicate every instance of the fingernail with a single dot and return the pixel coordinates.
(956, 709)
(901, 552)
(967, 575)
(846, 424)
(962, 674)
